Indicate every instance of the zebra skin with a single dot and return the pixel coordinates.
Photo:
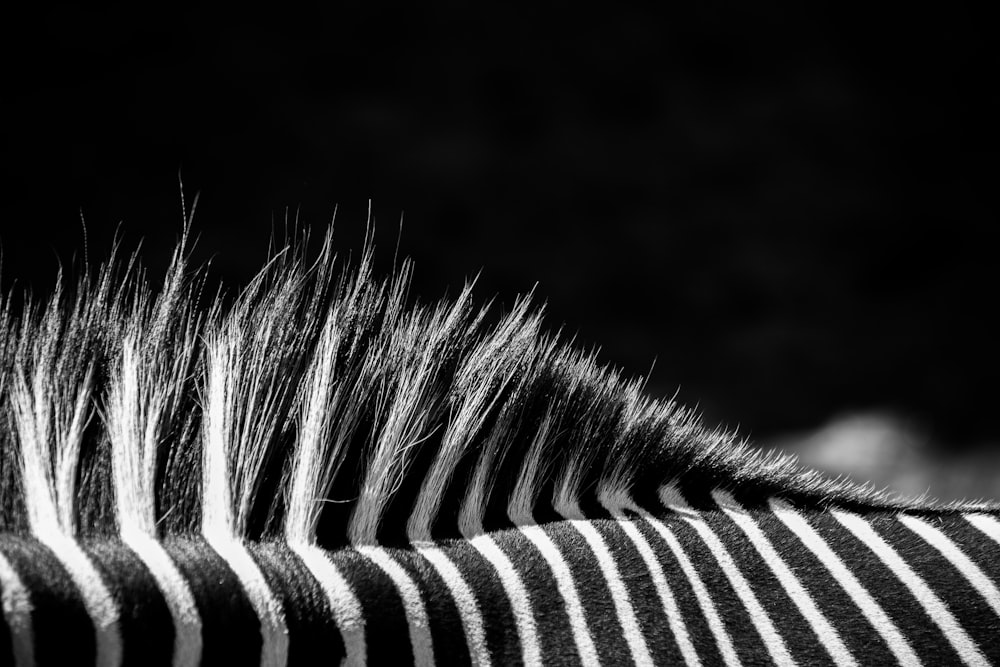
(318, 470)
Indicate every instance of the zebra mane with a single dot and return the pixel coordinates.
(320, 405)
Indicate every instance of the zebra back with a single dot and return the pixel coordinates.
(322, 469)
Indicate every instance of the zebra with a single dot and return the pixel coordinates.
(322, 468)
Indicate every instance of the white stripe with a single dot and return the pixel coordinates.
(413, 605)
(343, 603)
(17, 613)
(758, 616)
(97, 598)
(722, 639)
(871, 609)
(176, 593)
(616, 505)
(930, 602)
(567, 589)
(520, 605)
(827, 635)
(619, 594)
(468, 608)
(954, 554)
(674, 618)
(988, 525)
(274, 634)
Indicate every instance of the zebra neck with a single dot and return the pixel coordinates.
(696, 579)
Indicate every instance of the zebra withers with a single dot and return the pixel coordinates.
(322, 471)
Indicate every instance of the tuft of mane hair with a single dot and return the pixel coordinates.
(320, 406)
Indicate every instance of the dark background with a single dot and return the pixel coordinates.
(790, 209)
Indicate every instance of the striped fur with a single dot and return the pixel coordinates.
(322, 470)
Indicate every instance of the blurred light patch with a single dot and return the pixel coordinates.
(896, 453)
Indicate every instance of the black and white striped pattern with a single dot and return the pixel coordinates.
(700, 581)
(322, 473)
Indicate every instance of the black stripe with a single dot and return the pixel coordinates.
(230, 630)
(980, 549)
(700, 634)
(645, 599)
(555, 638)
(800, 639)
(63, 630)
(499, 624)
(144, 619)
(448, 634)
(856, 632)
(747, 642)
(312, 630)
(592, 588)
(962, 600)
(387, 637)
(924, 637)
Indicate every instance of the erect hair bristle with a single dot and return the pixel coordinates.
(481, 381)
(145, 393)
(324, 406)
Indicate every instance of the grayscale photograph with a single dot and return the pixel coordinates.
(365, 334)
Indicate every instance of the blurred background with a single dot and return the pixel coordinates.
(787, 212)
